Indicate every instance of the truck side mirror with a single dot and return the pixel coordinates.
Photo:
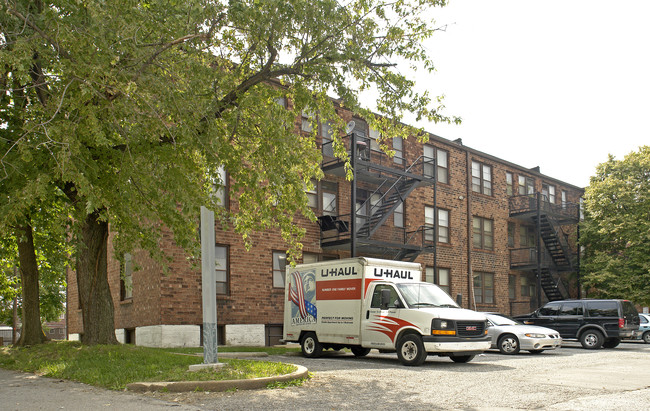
(459, 299)
(385, 298)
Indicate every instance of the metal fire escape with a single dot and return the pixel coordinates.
(387, 183)
(553, 259)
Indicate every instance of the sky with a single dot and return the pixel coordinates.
(558, 84)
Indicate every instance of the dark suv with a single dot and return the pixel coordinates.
(594, 323)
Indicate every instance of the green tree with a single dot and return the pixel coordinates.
(616, 229)
(131, 109)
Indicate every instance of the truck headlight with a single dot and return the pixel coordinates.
(443, 327)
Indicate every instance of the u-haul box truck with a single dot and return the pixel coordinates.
(364, 303)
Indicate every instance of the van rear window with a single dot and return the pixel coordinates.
(602, 308)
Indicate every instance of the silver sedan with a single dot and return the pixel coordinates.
(510, 336)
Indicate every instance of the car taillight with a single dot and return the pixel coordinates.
(621, 323)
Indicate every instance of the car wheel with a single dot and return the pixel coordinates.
(410, 350)
(646, 337)
(611, 342)
(591, 339)
(360, 351)
(310, 346)
(535, 351)
(462, 358)
(508, 344)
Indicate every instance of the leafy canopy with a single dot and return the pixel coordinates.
(136, 106)
(616, 230)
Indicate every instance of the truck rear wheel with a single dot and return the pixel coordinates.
(410, 350)
(462, 358)
(360, 351)
(310, 346)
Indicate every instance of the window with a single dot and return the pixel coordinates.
(442, 163)
(398, 215)
(574, 308)
(564, 200)
(511, 234)
(481, 178)
(527, 237)
(279, 265)
(222, 268)
(512, 287)
(376, 296)
(550, 309)
(602, 308)
(527, 287)
(308, 258)
(374, 135)
(443, 224)
(398, 147)
(312, 194)
(526, 186)
(329, 198)
(126, 283)
(326, 131)
(443, 280)
(509, 183)
(482, 233)
(281, 101)
(548, 193)
(220, 188)
(306, 121)
(483, 288)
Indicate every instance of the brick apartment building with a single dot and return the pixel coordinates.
(498, 236)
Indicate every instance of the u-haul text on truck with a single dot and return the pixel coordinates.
(364, 303)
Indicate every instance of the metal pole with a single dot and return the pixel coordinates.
(209, 286)
(353, 196)
(579, 253)
(539, 251)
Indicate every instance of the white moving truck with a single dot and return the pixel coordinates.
(363, 303)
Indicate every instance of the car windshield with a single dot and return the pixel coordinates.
(425, 295)
(501, 320)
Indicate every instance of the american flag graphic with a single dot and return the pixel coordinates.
(297, 296)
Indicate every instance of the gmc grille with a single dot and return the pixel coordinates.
(470, 328)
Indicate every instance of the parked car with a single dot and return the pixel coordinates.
(595, 323)
(643, 333)
(511, 336)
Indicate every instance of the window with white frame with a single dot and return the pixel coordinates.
(306, 121)
(279, 266)
(481, 178)
(526, 186)
(509, 183)
(329, 198)
(126, 283)
(483, 287)
(312, 194)
(398, 216)
(374, 136)
(441, 162)
(398, 148)
(564, 199)
(548, 193)
(222, 268)
(327, 131)
(442, 280)
(482, 233)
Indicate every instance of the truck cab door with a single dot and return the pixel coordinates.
(380, 317)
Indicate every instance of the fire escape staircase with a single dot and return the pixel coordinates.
(557, 248)
(388, 203)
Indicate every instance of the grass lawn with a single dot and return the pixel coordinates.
(114, 366)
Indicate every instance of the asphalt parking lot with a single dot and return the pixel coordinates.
(569, 378)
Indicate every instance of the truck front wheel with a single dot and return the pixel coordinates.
(410, 350)
(310, 346)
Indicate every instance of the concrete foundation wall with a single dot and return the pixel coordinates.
(164, 336)
(245, 335)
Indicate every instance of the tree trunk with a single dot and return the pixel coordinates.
(32, 332)
(92, 281)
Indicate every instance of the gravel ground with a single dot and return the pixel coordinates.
(569, 378)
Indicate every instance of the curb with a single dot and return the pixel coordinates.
(184, 386)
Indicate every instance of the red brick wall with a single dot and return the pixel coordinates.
(175, 298)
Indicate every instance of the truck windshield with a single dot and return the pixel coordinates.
(425, 295)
